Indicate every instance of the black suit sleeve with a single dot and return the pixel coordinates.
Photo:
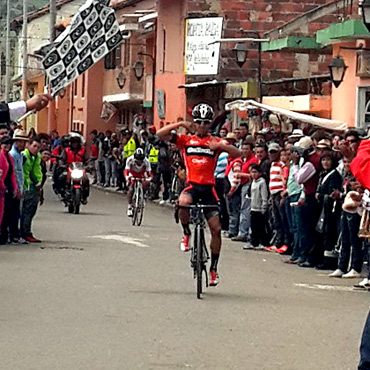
(4, 113)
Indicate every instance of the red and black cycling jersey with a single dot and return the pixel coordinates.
(200, 160)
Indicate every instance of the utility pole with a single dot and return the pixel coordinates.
(24, 51)
(1, 74)
(7, 53)
(52, 19)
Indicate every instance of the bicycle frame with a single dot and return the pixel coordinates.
(139, 203)
(199, 252)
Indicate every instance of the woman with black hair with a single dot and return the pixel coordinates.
(330, 183)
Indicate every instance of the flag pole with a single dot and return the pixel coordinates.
(51, 108)
(24, 55)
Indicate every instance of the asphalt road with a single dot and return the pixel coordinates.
(99, 294)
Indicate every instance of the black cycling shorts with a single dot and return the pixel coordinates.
(203, 194)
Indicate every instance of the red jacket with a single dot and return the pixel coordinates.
(56, 153)
(245, 166)
(94, 151)
(72, 157)
(360, 166)
(4, 166)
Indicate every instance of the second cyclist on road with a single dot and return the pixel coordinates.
(137, 167)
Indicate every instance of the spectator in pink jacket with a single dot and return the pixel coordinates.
(8, 182)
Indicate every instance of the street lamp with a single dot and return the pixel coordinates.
(121, 80)
(139, 70)
(241, 53)
(337, 70)
(365, 7)
(31, 92)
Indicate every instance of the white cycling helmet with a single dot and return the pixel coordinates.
(202, 112)
(75, 135)
(139, 154)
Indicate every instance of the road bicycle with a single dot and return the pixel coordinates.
(177, 183)
(138, 202)
(199, 252)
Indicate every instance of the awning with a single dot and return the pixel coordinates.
(123, 98)
(328, 124)
(200, 84)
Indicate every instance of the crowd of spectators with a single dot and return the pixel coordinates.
(299, 195)
(289, 193)
(292, 194)
(23, 173)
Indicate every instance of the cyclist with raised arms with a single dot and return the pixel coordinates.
(200, 152)
(137, 166)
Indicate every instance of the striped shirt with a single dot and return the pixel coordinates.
(276, 184)
(221, 165)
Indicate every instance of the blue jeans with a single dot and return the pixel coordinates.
(110, 171)
(350, 241)
(234, 212)
(29, 207)
(278, 220)
(365, 347)
(307, 221)
(245, 213)
(292, 216)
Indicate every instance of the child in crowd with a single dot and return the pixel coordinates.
(259, 205)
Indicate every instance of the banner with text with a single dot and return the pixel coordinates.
(200, 57)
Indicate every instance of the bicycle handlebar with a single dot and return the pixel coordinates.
(141, 179)
(200, 206)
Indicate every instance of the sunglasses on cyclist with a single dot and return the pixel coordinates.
(200, 121)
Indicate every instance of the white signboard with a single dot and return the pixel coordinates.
(200, 57)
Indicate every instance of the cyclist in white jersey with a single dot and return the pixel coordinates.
(137, 166)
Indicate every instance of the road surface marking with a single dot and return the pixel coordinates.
(329, 287)
(122, 239)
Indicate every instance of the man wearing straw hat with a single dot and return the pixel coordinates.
(10, 227)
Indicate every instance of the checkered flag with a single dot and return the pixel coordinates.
(92, 34)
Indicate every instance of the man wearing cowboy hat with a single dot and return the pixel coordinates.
(20, 139)
(296, 135)
(231, 138)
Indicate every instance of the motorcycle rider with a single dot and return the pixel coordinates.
(137, 166)
(55, 160)
(75, 153)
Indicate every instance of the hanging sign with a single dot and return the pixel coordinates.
(200, 57)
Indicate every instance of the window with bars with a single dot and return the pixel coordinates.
(113, 59)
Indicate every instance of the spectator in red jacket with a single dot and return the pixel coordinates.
(8, 182)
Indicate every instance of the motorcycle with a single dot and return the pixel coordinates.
(74, 197)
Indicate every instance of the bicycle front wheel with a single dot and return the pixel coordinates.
(140, 205)
(199, 259)
(134, 207)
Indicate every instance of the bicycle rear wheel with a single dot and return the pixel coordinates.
(134, 207)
